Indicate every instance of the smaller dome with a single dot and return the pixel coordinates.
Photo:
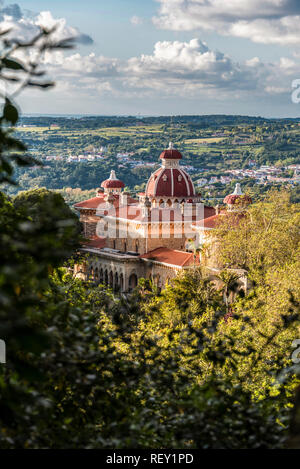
(171, 153)
(112, 182)
(231, 199)
(237, 197)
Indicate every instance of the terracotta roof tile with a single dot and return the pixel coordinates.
(95, 242)
(232, 199)
(172, 154)
(90, 203)
(210, 222)
(166, 182)
(170, 256)
(112, 183)
(94, 202)
(133, 211)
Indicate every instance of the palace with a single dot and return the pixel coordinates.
(152, 236)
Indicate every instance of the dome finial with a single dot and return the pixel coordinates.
(112, 183)
(113, 175)
(238, 190)
(171, 146)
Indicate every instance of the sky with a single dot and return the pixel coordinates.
(165, 57)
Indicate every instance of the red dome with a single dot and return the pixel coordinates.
(112, 182)
(231, 199)
(171, 154)
(237, 197)
(171, 182)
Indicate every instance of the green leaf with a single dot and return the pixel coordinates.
(40, 85)
(10, 112)
(13, 64)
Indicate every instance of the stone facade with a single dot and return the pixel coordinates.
(119, 271)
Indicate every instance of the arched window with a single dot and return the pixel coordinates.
(111, 279)
(116, 284)
(137, 246)
(96, 276)
(91, 273)
(121, 282)
(167, 282)
(133, 281)
(157, 281)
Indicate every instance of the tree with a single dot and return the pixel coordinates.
(189, 295)
(59, 227)
(230, 284)
(265, 237)
(193, 370)
(24, 268)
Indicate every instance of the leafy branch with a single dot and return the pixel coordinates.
(19, 70)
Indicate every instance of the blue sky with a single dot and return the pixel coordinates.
(168, 56)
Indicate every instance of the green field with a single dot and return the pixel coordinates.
(205, 140)
(105, 132)
(34, 129)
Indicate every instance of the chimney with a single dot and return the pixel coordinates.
(123, 197)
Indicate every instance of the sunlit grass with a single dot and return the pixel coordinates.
(105, 132)
(204, 140)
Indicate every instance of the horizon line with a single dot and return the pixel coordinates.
(142, 116)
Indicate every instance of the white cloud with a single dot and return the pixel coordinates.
(136, 20)
(25, 25)
(254, 62)
(190, 64)
(174, 68)
(262, 21)
(287, 64)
